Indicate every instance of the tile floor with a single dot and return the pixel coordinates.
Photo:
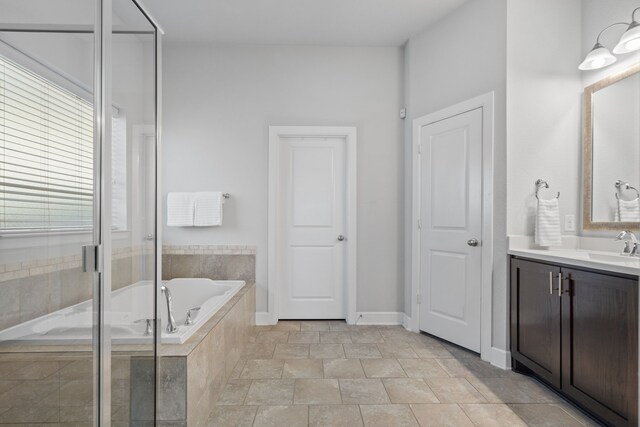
(328, 373)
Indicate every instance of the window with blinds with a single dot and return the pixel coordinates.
(46, 155)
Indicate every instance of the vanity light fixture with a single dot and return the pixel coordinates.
(630, 40)
(600, 56)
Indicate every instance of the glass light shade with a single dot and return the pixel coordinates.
(630, 40)
(599, 57)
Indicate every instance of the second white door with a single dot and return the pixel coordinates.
(451, 217)
(311, 222)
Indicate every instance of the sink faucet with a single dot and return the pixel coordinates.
(630, 243)
(171, 325)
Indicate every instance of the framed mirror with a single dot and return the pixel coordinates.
(611, 153)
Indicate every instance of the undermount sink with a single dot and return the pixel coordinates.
(621, 259)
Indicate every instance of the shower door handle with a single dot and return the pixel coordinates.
(90, 258)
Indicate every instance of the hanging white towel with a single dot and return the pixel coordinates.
(629, 210)
(208, 209)
(180, 209)
(547, 231)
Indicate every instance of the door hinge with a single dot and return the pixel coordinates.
(419, 298)
(90, 258)
(419, 224)
(420, 148)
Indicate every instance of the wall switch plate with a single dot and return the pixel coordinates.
(569, 223)
(403, 113)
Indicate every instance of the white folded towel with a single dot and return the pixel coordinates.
(547, 231)
(208, 209)
(180, 209)
(629, 210)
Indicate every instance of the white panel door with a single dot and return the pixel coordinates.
(312, 213)
(451, 217)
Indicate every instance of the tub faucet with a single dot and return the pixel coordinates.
(171, 326)
(630, 243)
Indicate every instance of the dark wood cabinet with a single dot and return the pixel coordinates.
(577, 330)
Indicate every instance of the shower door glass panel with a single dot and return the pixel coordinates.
(48, 357)
(133, 212)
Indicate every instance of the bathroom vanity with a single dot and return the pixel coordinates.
(574, 325)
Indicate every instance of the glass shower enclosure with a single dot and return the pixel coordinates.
(79, 234)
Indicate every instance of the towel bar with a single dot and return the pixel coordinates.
(541, 183)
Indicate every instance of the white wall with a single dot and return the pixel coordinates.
(544, 108)
(461, 57)
(218, 104)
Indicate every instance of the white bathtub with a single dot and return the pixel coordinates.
(73, 325)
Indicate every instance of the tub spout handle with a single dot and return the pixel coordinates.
(189, 321)
(148, 330)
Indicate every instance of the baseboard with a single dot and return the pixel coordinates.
(379, 318)
(263, 318)
(406, 322)
(500, 358)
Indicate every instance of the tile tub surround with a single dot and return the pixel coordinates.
(346, 375)
(227, 262)
(35, 288)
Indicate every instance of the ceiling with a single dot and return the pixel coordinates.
(298, 22)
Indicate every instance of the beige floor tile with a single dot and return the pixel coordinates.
(259, 350)
(467, 368)
(441, 415)
(262, 369)
(282, 416)
(270, 392)
(366, 337)
(544, 415)
(335, 337)
(397, 351)
(291, 351)
(367, 391)
(492, 415)
(423, 368)
(455, 390)
(343, 368)
(234, 392)
(232, 416)
(409, 390)
(382, 368)
(287, 325)
(237, 370)
(306, 337)
(432, 352)
(577, 414)
(326, 351)
(388, 415)
(35, 371)
(513, 390)
(318, 325)
(316, 392)
(334, 416)
(341, 325)
(303, 368)
(273, 337)
(31, 414)
(262, 328)
(458, 352)
(361, 351)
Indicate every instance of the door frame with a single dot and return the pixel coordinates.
(350, 136)
(486, 103)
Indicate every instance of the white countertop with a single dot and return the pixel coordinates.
(575, 255)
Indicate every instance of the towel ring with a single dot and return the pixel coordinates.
(541, 183)
(619, 184)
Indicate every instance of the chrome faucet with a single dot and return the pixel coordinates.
(171, 325)
(630, 243)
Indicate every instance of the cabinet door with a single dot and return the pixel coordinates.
(600, 344)
(535, 318)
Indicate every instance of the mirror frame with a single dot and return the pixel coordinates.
(587, 154)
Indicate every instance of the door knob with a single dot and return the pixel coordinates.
(472, 242)
(340, 238)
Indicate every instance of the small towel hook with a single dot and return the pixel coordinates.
(541, 183)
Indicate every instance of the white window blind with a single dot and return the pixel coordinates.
(46, 155)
